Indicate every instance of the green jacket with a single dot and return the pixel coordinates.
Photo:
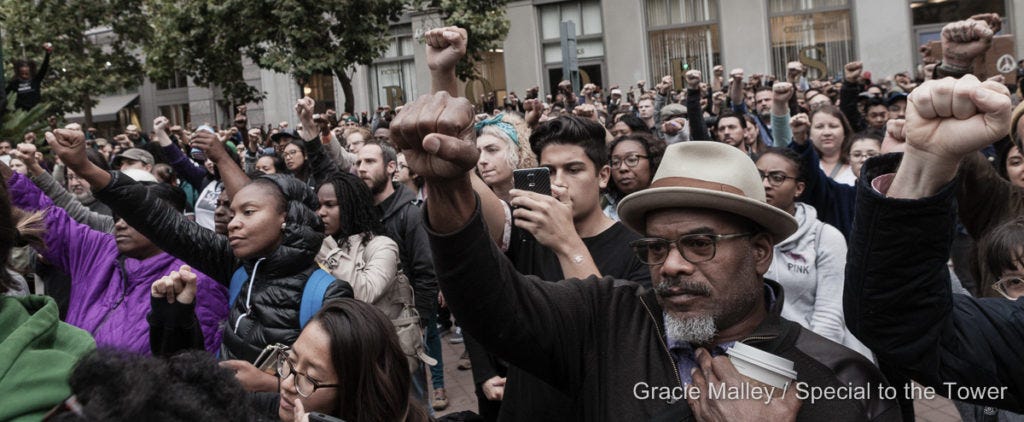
(37, 354)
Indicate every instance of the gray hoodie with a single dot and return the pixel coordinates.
(810, 265)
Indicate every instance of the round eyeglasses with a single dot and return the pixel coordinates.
(631, 161)
(695, 248)
(304, 385)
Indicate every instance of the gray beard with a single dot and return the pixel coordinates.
(695, 330)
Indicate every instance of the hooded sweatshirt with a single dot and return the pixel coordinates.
(109, 291)
(37, 354)
(810, 265)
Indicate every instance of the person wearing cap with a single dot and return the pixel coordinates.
(897, 300)
(675, 127)
(133, 158)
(596, 340)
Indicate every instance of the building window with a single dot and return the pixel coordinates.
(683, 35)
(177, 114)
(817, 33)
(586, 15)
(394, 74)
(179, 80)
(321, 89)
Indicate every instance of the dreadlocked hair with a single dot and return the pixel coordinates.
(356, 211)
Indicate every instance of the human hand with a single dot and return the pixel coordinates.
(48, 47)
(999, 79)
(640, 84)
(494, 388)
(565, 87)
(251, 377)
(304, 109)
(533, 109)
(177, 286)
(435, 133)
(964, 40)
(794, 70)
(69, 145)
(718, 371)
(736, 75)
(895, 138)
(992, 19)
(852, 72)
(718, 98)
(299, 413)
(664, 85)
(673, 126)
(782, 92)
(160, 124)
(801, 126)
(211, 145)
(693, 79)
(445, 47)
(718, 70)
(547, 218)
(586, 111)
(950, 118)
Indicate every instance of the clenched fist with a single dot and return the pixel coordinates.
(445, 47)
(435, 133)
(950, 118)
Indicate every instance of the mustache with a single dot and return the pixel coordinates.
(674, 286)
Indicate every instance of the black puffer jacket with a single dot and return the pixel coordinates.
(278, 279)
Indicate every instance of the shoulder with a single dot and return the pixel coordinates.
(826, 359)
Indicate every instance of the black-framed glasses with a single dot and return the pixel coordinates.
(865, 155)
(775, 178)
(1010, 287)
(695, 248)
(304, 385)
(631, 161)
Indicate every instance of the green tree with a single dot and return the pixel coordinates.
(87, 61)
(204, 40)
(306, 37)
(485, 24)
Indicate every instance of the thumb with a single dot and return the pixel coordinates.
(299, 412)
(993, 99)
(896, 129)
(449, 148)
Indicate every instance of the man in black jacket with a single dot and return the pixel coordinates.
(615, 348)
(897, 298)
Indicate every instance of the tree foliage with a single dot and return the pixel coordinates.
(82, 67)
(204, 40)
(485, 23)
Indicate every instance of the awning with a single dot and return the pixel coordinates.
(105, 110)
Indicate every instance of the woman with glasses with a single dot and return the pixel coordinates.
(634, 159)
(810, 263)
(863, 147)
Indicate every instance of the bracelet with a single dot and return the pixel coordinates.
(952, 69)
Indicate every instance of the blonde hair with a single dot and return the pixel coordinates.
(520, 156)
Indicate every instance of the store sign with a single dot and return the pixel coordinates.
(808, 26)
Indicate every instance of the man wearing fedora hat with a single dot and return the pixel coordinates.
(598, 340)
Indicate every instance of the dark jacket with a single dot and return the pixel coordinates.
(834, 201)
(899, 303)
(598, 340)
(278, 279)
(403, 221)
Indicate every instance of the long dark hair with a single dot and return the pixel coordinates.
(17, 228)
(372, 370)
(356, 212)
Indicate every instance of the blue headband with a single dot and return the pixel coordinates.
(496, 121)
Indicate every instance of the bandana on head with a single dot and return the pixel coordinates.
(496, 121)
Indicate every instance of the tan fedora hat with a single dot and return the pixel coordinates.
(711, 175)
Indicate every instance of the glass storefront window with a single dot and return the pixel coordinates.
(394, 75)
(821, 40)
(683, 35)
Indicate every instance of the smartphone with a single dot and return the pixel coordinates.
(537, 179)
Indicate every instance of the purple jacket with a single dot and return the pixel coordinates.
(110, 292)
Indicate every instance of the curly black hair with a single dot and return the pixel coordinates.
(356, 211)
(114, 385)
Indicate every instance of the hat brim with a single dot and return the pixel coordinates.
(633, 208)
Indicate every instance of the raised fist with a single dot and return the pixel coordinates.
(177, 286)
(895, 136)
(48, 47)
(718, 98)
(950, 118)
(693, 79)
(69, 145)
(992, 19)
(852, 72)
(782, 92)
(27, 153)
(435, 133)
(718, 70)
(565, 87)
(160, 124)
(964, 40)
(736, 75)
(800, 124)
(585, 111)
(304, 108)
(445, 47)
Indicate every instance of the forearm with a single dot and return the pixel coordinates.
(921, 175)
(70, 204)
(984, 198)
(323, 169)
(736, 93)
(492, 208)
(781, 132)
(232, 175)
(575, 260)
(186, 169)
(444, 80)
(450, 204)
(698, 128)
(173, 328)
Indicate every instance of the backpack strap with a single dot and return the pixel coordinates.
(313, 295)
(237, 280)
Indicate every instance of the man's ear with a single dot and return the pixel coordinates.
(763, 247)
(604, 175)
(392, 168)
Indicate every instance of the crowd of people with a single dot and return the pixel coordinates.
(867, 230)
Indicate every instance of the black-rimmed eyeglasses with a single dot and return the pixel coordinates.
(695, 248)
